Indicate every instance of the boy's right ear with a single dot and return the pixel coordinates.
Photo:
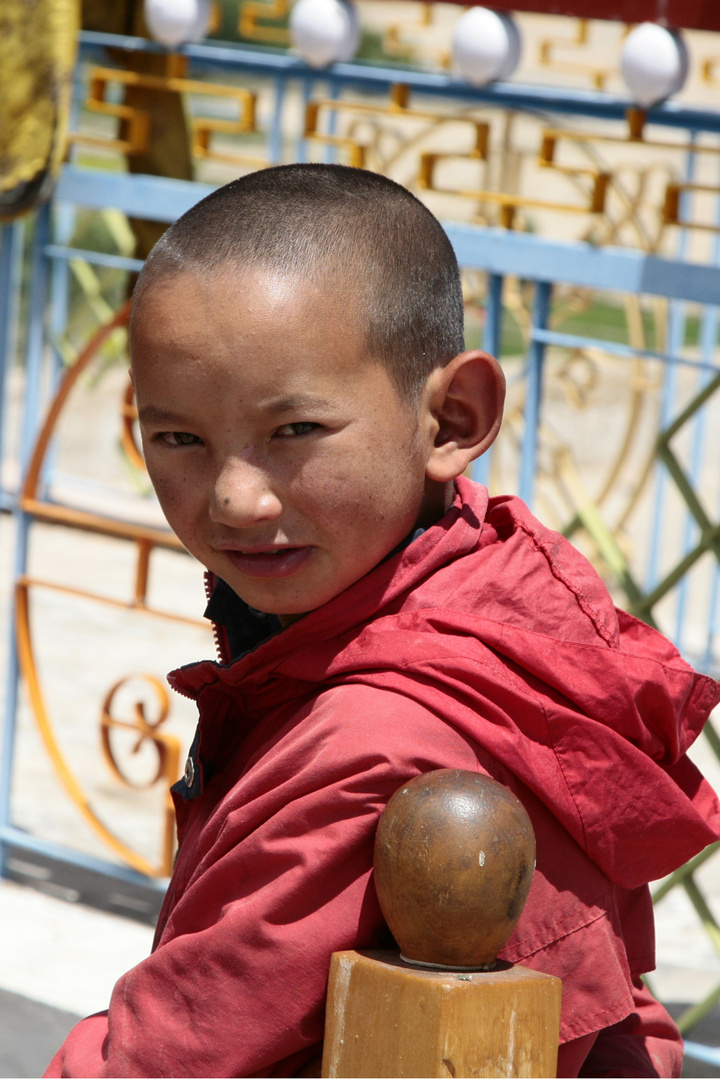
(466, 400)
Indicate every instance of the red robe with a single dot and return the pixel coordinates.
(489, 644)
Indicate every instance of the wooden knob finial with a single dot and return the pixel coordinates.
(454, 858)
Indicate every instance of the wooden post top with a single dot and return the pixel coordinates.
(454, 858)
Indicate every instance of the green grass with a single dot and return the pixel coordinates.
(607, 321)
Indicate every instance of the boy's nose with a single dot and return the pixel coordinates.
(242, 495)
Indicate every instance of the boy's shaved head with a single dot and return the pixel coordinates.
(334, 223)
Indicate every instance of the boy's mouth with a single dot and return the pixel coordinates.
(268, 562)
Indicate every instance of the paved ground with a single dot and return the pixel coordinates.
(30, 1033)
(58, 961)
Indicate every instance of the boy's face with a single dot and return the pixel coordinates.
(284, 459)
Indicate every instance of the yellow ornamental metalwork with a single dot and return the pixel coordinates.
(416, 40)
(135, 130)
(508, 204)
(145, 730)
(258, 18)
(576, 45)
(362, 144)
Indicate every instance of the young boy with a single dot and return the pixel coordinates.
(308, 411)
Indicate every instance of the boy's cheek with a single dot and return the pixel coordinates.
(168, 492)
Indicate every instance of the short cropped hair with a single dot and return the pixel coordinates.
(318, 220)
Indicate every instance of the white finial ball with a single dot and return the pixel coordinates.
(486, 45)
(175, 22)
(324, 31)
(654, 63)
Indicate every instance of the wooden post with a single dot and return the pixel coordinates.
(454, 857)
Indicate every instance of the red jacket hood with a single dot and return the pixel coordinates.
(501, 627)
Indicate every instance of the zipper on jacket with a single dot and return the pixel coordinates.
(218, 636)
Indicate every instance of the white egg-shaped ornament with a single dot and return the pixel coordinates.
(654, 63)
(177, 22)
(486, 45)
(324, 31)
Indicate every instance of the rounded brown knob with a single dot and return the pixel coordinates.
(454, 858)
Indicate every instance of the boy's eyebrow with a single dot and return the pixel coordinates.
(293, 402)
(155, 414)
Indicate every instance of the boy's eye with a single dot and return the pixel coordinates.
(302, 427)
(177, 438)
